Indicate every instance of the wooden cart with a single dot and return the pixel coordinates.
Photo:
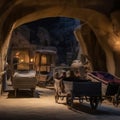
(110, 85)
(24, 80)
(83, 90)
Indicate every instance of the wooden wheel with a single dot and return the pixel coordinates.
(94, 102)
(81, 99)
(33, 91)
(116, 100)
(116, 97)
(56, 97)
(69, 100)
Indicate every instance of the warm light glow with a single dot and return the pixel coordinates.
(31, 60)
(43, 59)
(17, 54)
(117, 46)
(117, 43)
(114, 42)
(21, 60)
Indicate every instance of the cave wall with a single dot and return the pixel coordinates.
(95, 52)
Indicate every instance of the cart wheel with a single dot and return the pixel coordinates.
(62, 98)
(33, 91)
(69, 100)
(116, 100)
(56, 97)
(87, 99)
(94, 102)
(1, 91)
(15, 92)
(81, 99)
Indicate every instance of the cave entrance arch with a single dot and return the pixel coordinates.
(88, 17)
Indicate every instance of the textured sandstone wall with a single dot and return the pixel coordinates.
(94, 50)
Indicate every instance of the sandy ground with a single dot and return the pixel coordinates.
(43, 107)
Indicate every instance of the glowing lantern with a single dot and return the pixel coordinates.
(21, 60)
(31, 60)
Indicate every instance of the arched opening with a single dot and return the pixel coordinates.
(97, 26)
(49, 42)
(94, 44)
(55, 32)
